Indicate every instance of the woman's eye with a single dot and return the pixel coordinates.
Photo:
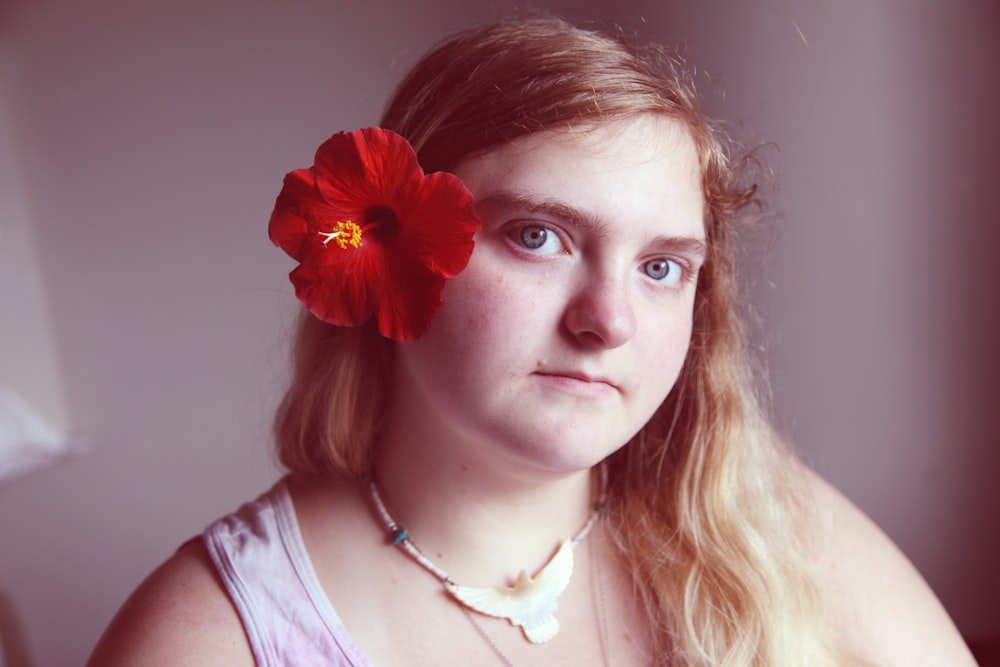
(538, 239)
(534, 237)
(664, 270)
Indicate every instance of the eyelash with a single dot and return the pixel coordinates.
(517, 235)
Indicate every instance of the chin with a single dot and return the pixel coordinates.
(569, 454)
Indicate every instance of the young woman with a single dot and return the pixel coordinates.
(544, 448)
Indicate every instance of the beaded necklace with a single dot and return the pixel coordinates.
(529, 604)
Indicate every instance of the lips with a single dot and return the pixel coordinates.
(580, 379)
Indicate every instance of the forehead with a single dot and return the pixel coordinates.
(643, 170)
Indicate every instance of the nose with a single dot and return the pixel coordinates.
(600, 314)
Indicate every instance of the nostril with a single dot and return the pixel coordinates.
(601, 318)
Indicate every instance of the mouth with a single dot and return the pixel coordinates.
(578, 381)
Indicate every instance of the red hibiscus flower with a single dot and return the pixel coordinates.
(372, 233)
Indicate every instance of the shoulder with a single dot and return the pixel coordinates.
(180, 614)
(878, 601)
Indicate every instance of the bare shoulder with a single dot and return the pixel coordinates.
(180, 614)
(877, 599)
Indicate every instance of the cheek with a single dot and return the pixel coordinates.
(497, 311)
(474, 305)
(666, 351)
(470, 331)
(465, 318)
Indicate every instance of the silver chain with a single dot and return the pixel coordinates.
(486, 636)
(605, 643)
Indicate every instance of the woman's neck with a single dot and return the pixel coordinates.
(480, 519)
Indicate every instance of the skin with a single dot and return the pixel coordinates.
(557, 343)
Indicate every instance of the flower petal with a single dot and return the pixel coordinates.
(365, 167)
(443, 223)
(412, 298)
(416, 231)
(345, 295)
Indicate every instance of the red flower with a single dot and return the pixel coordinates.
(372, 233)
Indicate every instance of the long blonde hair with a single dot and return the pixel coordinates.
(704, 507)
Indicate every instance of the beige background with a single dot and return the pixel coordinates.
(143, 309)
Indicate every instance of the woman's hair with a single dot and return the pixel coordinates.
(702, 499)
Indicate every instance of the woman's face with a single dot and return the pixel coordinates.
(571, 323)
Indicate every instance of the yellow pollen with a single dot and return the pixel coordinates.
(345, 234)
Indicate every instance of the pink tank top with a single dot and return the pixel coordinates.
(289, 620)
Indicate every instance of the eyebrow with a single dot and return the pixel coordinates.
(585, 220)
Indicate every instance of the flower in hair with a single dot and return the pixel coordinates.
(373, 234)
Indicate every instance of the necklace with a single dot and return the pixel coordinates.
(530, 603)
(602, 616)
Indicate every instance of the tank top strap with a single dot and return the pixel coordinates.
(262, 560)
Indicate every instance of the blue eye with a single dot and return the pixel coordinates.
(537, 239)
(663, 270)
(533, 238)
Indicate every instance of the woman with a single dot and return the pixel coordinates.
(570, 400)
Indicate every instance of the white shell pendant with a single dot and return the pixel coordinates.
(530, 603)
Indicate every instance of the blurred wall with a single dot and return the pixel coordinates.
(880, 307)
(143, 145)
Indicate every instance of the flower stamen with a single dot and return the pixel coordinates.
(345, 234)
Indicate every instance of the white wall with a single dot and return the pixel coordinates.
(144, 143)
